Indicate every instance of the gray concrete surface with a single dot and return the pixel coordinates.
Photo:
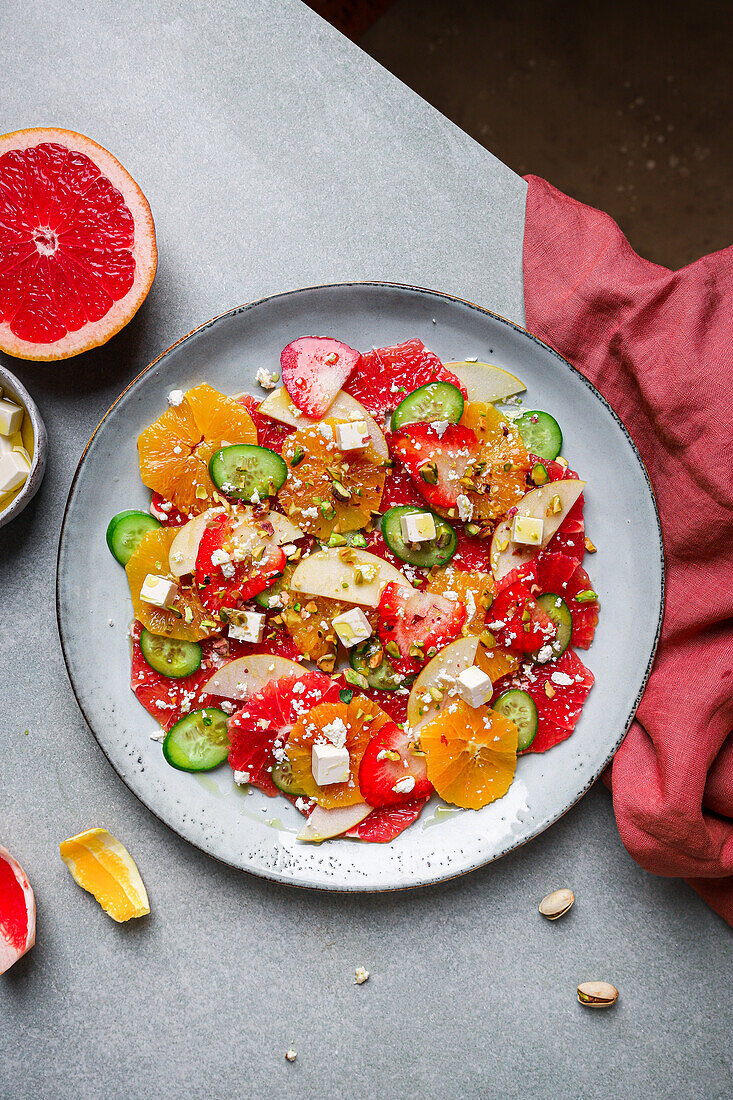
(276, 154)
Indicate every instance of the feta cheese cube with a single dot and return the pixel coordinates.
(418, 527)
(354, 436)
(249, 627)
(352, 627)
(158, 591)
(329, 764)
(474, 686)
(11, 417)
(14, 470)
(527, 530)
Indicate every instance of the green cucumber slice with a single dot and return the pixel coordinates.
(383, 675)
(555, 608)
(284, 780)
(126, 531)
(170, 657)
(246, 472)
(435, 401)
(540, 433)
(438, 551)
(199, 742)
(519, 707)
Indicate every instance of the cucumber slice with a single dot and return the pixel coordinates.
(540, 433)
(435, 401)
(170, 657)
(244, 471)
(371, 661)
(438, 551)
(284, 780)
(199, 742)
(519, 707)
(555, 608)
(126, 531)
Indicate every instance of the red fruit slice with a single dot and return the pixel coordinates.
(218, 590)
(77, 244)
(399, 488)
(560, 573)
(570, 535)
(260, 728)
(166, 512)
(387, 375)
(270, 433)
(425, 619)
(516, 621)
(384, 825)
(452, 453)
(393, 703)
(314, 369)
(384, 781)
(472, 555)
(570, 683)
(17, 911)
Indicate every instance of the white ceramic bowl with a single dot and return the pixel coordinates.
(16, 391)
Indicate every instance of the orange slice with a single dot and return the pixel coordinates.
(314, 483)
(505, 457)
(105, 868)
(471, 754)
(496, 662)
(176, 449)
(475, 590)
(189, 619)
(356, 723)
(310, 626)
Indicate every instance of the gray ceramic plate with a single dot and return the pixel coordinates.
(256, 833)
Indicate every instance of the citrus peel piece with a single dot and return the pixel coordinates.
(103, 867)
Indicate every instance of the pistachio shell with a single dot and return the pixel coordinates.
(557, 904)
(597, 994)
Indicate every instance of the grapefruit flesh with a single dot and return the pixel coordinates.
(77, 244)
(17, 912)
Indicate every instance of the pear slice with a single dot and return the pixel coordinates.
(486, 383)
(446, 665)
(185, 546)
(507, 555)
(241, 678)
(278, 406)
(324, 824)
(327, 574)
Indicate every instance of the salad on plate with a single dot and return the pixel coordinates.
(363, 590)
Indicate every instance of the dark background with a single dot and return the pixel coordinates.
(626, 106)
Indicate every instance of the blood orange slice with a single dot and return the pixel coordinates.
(384, 825)
(77, 244)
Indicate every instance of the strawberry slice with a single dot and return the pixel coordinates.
(314, 368)
(516, 621)
(230, 583)
(260, 728)
(384, 825)
(387, 375)
(409, 618)
(436, 462)
(391, 773)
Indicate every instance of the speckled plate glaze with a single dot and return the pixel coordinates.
(251, 831)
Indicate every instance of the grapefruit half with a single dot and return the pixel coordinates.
(77, 244)
(17, 911)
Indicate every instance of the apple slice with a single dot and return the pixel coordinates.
(324, 824)
(17, 911)
(507, 555)
(278, 406)
(327, 574)
(446, 665)
(185, 546)
(486, 383)
(241, 678)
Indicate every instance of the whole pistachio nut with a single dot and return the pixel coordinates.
(597, 994)
(556, 904)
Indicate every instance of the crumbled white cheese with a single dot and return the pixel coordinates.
(360, 975)
(241, 778)
(545, 654)
(267, 379)
(404, 785)
(561, 679)
(175, 398)
(465, 508)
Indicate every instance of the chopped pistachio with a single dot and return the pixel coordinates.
(590, 547)
(393, 650)
(429, 472)
(488, 639)
(472, 528)
(587, 596)
(556, 505)
(336, 540)
(356, 678)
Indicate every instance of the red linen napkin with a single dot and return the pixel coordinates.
(658, 344)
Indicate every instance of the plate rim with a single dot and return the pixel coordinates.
(357, 888)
